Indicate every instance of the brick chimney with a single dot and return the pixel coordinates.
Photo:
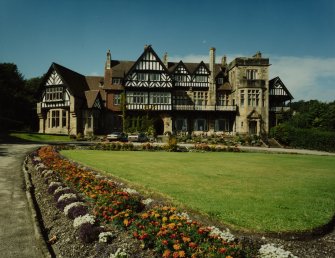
(108, 70)
(212, 84)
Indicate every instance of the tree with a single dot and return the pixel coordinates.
(17, 99)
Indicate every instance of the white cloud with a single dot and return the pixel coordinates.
(305, 77)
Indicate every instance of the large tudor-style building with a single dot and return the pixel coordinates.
(176, 97)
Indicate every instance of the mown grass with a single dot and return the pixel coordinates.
(36, 137)
(254, 191)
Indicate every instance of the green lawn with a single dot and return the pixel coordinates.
(255, 191)
(36, 137)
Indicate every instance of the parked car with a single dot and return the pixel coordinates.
(140, 137)
(117, 136)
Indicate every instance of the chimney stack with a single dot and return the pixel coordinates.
(108, 70)
(212, 84)
(165, 59)
(224, 61)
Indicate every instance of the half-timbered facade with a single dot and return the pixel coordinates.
(177, 97)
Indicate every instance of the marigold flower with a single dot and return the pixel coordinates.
(229, 256)
(166, 253)
(165, 242)
(176, 247)
(192, 245)
(145, 215)
(186, 239)
(182, 254)
(164, 219)
(172, 225)
(222, 250)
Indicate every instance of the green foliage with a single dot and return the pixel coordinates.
(311, 126)
(304, 138)
(18, 99)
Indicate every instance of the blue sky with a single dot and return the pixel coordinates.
(297, 35)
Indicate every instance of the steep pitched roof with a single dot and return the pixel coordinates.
(275, 81)
(91, 96)
(74, 81)
(95, 83)
(120, 68)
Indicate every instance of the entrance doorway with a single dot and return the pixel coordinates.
(252, 127)
(159, 126)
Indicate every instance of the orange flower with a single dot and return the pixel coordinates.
(229, 256)
(172, 225)
(126, 222)
(186, 239)
(165, 242)
(145, 215)
(192, 245)
(182, 254)
(176, 247)
(222, 250)
(166, 253)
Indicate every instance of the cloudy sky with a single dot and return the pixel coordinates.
(297, 35)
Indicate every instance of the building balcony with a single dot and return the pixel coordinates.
(148, 107)
(252, 83)
(225, 108)
(51, 104)
(204, 108)
(279, 109)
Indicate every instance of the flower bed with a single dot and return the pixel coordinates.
(163, 229)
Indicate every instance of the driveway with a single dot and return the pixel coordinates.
(17, 237)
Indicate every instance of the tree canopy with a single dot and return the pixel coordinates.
(17, 99)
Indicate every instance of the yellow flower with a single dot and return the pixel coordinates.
(164, 219)
(172, 225)
(145, 215)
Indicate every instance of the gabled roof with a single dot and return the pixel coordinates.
(275, 81)
(180, 64)
(95, 83)
(147, 50)
(91, 97)
(75, 82)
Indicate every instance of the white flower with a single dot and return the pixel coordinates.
(67, 196)
(225, 235)
(55, 183)
(61, 188)
(147, 201)
(40, 166)
(83, 219)
(104, 236)
(47, 173)
(69, 206)
(37, 159)
(119, 254)
(271, 251)
(185, 215)
(130, 191)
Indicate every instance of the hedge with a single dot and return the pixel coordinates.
(312, 139)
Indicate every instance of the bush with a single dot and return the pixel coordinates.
(88, 233)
